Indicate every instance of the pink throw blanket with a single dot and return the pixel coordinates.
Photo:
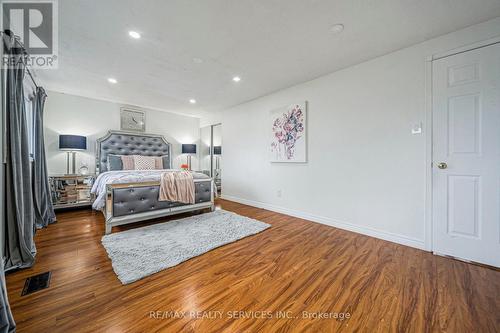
(177, 186)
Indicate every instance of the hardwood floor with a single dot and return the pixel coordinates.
(294, 266)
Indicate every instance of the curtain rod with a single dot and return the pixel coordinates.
(12, 35)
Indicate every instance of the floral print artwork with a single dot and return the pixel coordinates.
(288, 140)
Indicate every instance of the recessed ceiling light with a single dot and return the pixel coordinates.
(337, 28)
(197, 60)
(112, 80)
(192, 101)
(134, 34)
(236, 79)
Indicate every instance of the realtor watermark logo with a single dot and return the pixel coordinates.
(35, 23)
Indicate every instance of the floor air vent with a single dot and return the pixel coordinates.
(36, 282)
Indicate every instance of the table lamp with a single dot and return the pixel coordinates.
(217, 153)
(189, 149)
(71, 144)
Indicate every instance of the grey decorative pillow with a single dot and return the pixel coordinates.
(166, 162)
(115, 162)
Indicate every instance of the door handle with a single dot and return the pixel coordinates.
(442, 165)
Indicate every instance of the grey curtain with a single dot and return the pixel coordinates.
(7, 323)
(20, 248)
(44, 211)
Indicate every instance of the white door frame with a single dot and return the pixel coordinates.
(428, 125)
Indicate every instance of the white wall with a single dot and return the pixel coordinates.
(366, 172)
(69, 114)
(212, 119)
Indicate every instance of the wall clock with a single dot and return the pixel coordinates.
(132, 120)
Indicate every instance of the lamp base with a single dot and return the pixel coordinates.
(73, 164)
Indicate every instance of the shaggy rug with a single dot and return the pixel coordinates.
(140, 252)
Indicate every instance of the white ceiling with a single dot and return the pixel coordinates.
(271, 44)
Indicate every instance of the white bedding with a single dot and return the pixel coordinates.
(120, 177)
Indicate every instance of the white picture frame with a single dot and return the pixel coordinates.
(132, 120)
(288, 133)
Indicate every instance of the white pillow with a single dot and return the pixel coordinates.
(144, 162)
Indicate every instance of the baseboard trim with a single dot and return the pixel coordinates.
(388, 236)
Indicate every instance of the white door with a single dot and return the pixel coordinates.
(466, 155)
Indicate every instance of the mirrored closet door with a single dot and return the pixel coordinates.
(211, 153)
(217, 155)
(205, 145)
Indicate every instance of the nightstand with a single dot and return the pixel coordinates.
(71, 190)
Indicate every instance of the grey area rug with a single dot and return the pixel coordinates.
(144, 251)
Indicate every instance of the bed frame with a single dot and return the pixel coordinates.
(135, 202)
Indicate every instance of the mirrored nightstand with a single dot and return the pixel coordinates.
(71, 190)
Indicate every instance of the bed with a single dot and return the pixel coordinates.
(128, 196)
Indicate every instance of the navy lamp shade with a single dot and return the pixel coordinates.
(188, 148)
(217, 150)
(72, 142)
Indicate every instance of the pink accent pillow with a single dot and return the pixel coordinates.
(144, 162)
(128, 162)
(158, 162)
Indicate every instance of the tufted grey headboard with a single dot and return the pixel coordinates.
(128, 143)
